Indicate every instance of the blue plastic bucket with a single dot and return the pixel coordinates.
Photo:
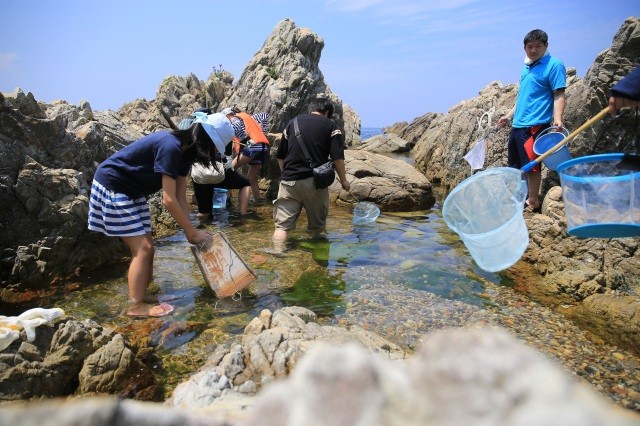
(600, 199)
(485, 210)
(546, 140)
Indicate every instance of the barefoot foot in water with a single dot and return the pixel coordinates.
(144, 310)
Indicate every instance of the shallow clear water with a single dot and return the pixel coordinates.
(409, 252)
(414, 251)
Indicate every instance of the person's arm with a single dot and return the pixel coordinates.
(283, 147)
(337, 156)
(342, 174)
(175, 201)
(239, 132)
(181, 194)
(506, 119)
(559, 101)
(625, 93)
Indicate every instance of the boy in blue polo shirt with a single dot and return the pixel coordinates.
(540, 103)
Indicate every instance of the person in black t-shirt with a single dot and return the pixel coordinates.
(323, 139)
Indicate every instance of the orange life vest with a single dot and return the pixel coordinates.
(252, 129)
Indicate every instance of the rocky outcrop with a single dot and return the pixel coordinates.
(45, 173)
(393, 185)
(386, 143)
(463, 376)
(73, 357)
(177, 97)
(594, 280)
(271, 347)
(352, 126)
(413, 131)
(284, 76)
(440, 149)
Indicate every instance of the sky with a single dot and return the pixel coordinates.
(390, 60)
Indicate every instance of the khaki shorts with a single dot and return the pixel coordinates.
(292, 197)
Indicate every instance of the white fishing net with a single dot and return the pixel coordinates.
(486, 212)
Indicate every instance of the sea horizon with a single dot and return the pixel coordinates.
(367, 132)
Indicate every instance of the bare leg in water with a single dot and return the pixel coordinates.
(140, 275)
(243, 199)
(254, 169)
(252, 175)
(279, 239)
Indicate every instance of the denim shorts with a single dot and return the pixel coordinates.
(259, 153)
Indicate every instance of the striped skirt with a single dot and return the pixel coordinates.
(117, 215)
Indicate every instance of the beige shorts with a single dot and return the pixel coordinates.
(292, 197)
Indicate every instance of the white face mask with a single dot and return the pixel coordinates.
(528, 61)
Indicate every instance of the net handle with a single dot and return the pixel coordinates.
(527, 167)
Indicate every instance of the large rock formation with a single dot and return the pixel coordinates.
(281, 79)
(386, 142)
(45, 173)
(391, 184)
(284, 76)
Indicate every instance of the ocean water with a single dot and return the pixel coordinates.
(367, 132)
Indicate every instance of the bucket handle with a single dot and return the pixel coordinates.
(527, 167)
(553, 129)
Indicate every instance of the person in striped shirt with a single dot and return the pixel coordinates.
(250, 143)
(159, 161)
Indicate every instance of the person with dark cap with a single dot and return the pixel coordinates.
(159, 161)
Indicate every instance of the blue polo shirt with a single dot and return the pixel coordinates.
(538, 81)
(136, 170)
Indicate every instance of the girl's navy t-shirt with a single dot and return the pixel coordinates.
(136, 170)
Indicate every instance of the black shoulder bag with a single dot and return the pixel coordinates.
(324, 174)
